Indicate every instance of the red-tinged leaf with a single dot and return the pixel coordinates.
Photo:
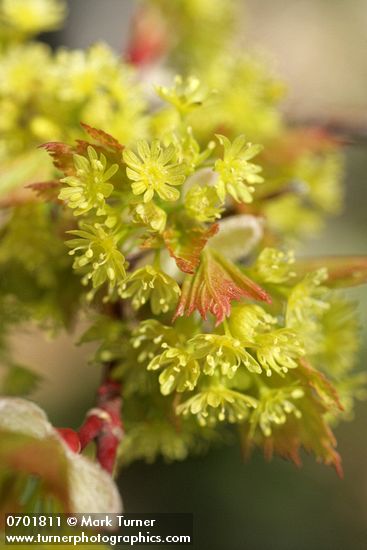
(214, 286)
(306, 375)
(309, 432)
(343, 271)
(62, 156)
(47, 190)
(102, 138)
(185, 244)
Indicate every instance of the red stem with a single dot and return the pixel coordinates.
(103, 423)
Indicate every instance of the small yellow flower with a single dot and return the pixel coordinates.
(275, 266)
(154, 171)
(202, 203)
(274, 407)
(237, 175)
(180, 370)
(217, 403)
(149, 284)
(185, 94)
(97, 255)
(222, 353)
(91, 185)
(278, 351)
(149, 214)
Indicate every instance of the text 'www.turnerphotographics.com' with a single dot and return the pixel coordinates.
(112, 529)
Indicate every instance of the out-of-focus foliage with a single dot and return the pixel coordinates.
(177, 229)
(22, 19)
(45, 95)
(50, 477)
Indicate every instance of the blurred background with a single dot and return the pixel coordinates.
(319, 48)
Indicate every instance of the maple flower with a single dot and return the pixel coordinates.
(98, 256)
(249, 320)
(237, 176)
(154, 171)
(222, 352)
(214, 285)
(202, 203)
(273, 407)
(307, 301)
(218, 403)
(151, 215)
(189, 150)
(322, 175)
(304, 426)
(275, 266)
(335, 350)
(90, 186)
(181, 370)
(278, 351)
(185, 95)
(148, 283)
(148, 338)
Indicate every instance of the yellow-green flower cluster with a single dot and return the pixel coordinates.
(149, 337)
(273, 407)
(148, 284)
(237, 176)
(307, 302)
(154, 171)
(185, 95)
(150, 215)
(210, 363)
(222, 353)
(248, 321)
(36, 279)
(321, 175)
(202, 203)
(188, 149)
(91, 185)
(246, 99)
(180, 370)
(275, 266)
(98, 257)
(277, 349)
(45, 96)
(172, 225)
(218, 403)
